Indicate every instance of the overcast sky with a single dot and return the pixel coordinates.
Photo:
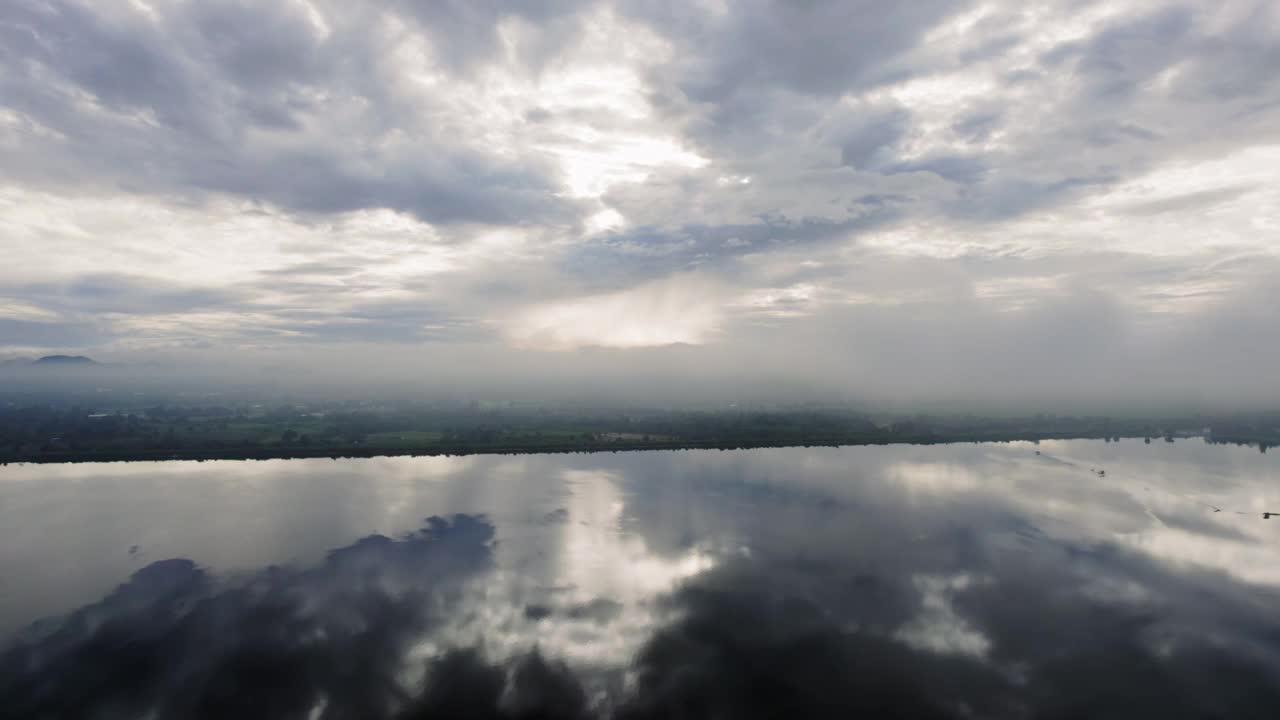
(915, 198)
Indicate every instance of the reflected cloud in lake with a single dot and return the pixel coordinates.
(1008, 580)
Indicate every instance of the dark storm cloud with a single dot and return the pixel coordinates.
(193, 100)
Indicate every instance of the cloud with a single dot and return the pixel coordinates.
(123, 294)
(815, 48)
(281, 643)
(28, 333)
(1199, 200)
(466, 33)
(266, 179)
(252, 101)
(669, 312)
(910, 580)
(933, 603)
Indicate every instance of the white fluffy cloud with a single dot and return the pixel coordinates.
(678, 310)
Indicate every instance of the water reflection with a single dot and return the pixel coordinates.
(946, 581)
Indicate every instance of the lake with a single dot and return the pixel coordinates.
(1074, 578)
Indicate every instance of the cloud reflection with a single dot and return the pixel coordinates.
(917, 582)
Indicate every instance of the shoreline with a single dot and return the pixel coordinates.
(349, 452)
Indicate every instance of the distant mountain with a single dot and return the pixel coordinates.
(65, 360)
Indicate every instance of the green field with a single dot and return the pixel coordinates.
(402, 439)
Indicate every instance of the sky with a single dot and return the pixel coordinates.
(930, 200)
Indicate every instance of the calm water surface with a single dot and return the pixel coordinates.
(1065, 579)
